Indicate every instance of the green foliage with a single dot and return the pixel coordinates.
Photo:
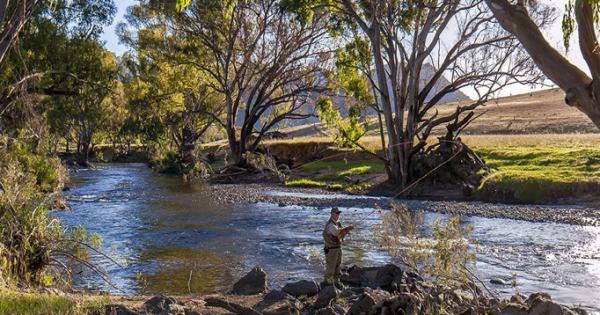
(166, 161)
(30, 239)
(443, 258)
(182, 4)
(347, 132)
(568, 24)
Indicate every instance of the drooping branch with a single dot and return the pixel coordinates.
(515, 19)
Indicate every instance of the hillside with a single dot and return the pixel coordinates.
(531, 113)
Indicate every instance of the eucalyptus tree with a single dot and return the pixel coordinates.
(409, 55)
(267, 66)
(88, 110)
(34, 62)
(582, 91)
(172, 103)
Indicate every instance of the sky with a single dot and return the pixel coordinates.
(553, 35)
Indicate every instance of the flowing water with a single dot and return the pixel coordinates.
(170, 239)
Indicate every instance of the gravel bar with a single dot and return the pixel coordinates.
(321, 198)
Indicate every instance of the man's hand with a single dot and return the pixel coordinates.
(346, 230)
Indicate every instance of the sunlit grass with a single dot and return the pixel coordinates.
(542, 173)
(313, 184)
(24, 303)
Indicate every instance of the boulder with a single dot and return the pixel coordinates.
(158, 304)
(325, 296)
(255, 282)
(389, 277)
(514, 309)
(534, 296)
(542, 306)
(300, 288)
(359, 276)
(331, 310)
(111, 309)
(497, 281)
(174, 309)
(326, 283)
(404, 303)
(272, 298)
(362, 305)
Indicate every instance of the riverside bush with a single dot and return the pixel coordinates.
(34, 247)
(442, 258)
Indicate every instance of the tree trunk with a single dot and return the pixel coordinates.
(581, 92)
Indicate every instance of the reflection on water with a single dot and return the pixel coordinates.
(165, 230)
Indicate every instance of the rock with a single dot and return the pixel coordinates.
(300, 288)
(534, 296)
(542, 306)
(272, 298)
(514, 309)
(111, 309)
(359, 276)
(407, 303)
(158, 304)
(497, 281)
(389, 277)
(255, 282)
(174, 309)
(325, 296)
(356, 291)
(363, 305)
(518, 298)
(326, 283)
(335, 310)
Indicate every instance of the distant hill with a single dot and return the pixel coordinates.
(541, 112)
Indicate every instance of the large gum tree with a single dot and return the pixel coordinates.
(410, 47)
(582, 91)
(266, 66)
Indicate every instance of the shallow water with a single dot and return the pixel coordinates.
(165, 230)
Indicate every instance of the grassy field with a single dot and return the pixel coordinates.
(540, 151)
(542, 112)
(540, 168)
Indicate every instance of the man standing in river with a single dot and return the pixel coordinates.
(333, 234)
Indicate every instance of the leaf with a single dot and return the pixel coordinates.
(181, 5)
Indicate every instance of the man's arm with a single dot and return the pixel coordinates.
(346, 230)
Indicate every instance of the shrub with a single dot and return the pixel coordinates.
(30, 240)
(443, 258)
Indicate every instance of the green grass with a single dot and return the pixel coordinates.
(540, 174)
(346, 168)
(23, 303)
(312, 184)
(331, 174)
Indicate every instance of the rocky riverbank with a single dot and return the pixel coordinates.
(282, 195)
(388, 289)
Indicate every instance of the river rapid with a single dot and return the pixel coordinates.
(170, 238)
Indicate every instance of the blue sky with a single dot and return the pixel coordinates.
(112, 42)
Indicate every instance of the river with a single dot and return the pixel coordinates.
(170, 239)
